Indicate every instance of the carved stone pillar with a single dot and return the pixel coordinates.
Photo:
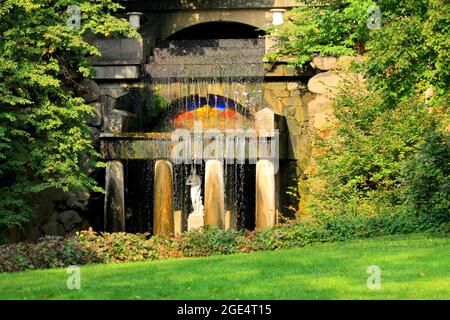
(214, 194)
(266, 194)
(163, 216)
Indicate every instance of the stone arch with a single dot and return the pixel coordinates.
(215, 111)
(176, 21)
(218, 30)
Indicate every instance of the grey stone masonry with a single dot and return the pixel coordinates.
(119, 51)
(208, 59)
(117, 72)
(120, 59)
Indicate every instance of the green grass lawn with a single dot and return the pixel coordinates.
(412, 267)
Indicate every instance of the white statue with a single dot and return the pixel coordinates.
(196, 192)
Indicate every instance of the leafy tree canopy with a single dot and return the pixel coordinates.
(44, 139)
(388, 147)
(409, 53)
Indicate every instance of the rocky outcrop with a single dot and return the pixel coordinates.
(118, 121)
(58, 213)
(88, 90)
(69, 219)
(324, 63)
(96, 120)
(53, 227)
(323, 87)
(324, 83)
(320, 112)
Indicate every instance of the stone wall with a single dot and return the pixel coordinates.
(58, 213)
(174, 21)
(157, 5)
(323, 87)
(303, 98)
(306, 105)
(90, 92)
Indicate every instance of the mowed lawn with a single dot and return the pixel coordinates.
(412, 267)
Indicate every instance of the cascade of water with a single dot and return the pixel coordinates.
(228, 89)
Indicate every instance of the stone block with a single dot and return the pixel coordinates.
(265, 194)
(195, 221)
(214, 201)
(291, 86)
(96, 119)
(118, 72)
(308, 97)
(53, 227)
(324, 83)
(322, 120)
(88, 90)
(114, 214)
(76, 200)
(320, 111)
(324, 63)
(230, 220)
(319, 105)
(273, 102)
(34, 234)
(118, 121)
(94, 134)
(115, 91)
(69, 219)
(163, 215)
(266, 121)
(119, 51)
(301, 113)
(344, 62)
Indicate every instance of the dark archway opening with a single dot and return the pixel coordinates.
(218, 30)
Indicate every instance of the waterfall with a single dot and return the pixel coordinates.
(218, 83)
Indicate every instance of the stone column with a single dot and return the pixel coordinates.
(266, 194)
(178, 222)
(163, 216)
(271, 43)
(214, 194)
(115, 197)
(230, 220)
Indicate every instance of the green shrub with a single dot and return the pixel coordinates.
(384, 156)
(91, 247)
(120, 246)
(360, 163)
(427, 177)
(408, 54)
(45, 140)
(49, 252)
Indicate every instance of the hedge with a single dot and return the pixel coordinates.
(91, 247)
